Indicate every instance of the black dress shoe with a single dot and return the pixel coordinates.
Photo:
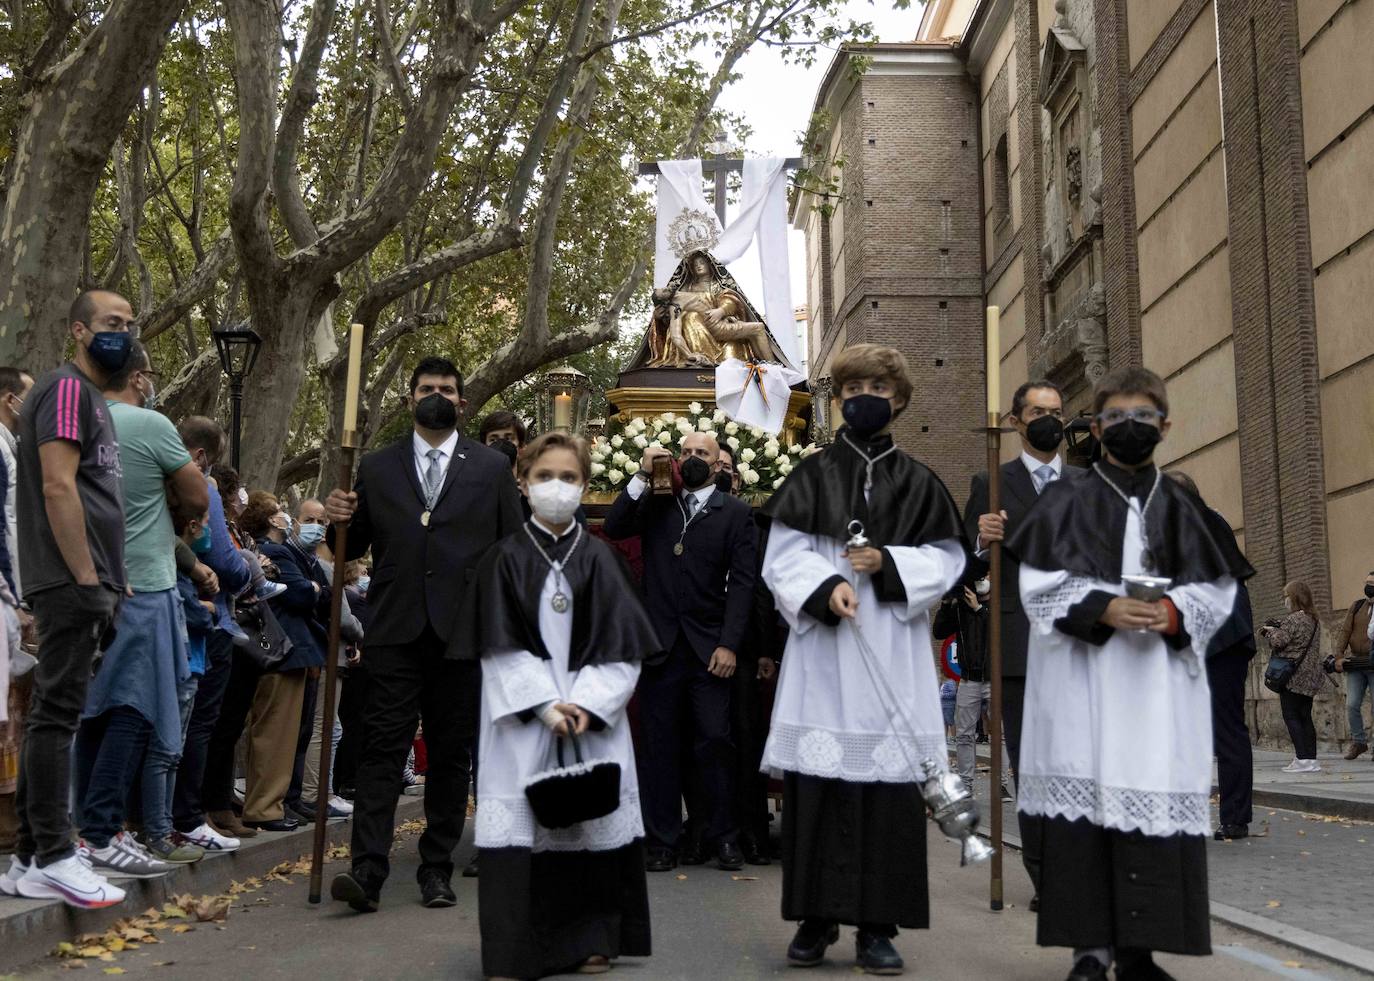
(359, 893)
(1139, 965)
(1088, 969)
(470, 870)
(287, 823)
(435, 892)
(807, 948)
(1229, 831)
(690, 852)
(660, 860)
(876, 955)
(728, 857)
(753, 854)
(1034, 905)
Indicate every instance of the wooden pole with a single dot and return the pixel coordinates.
(994, 358)
(349, 446)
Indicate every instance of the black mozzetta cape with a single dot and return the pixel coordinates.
(908, 505)
(501, 610)
(1079, 526)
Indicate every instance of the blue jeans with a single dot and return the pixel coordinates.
(160, 770)
(1356, 684)
(109, 751)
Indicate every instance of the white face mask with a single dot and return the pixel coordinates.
(555, 501)
(983, 587)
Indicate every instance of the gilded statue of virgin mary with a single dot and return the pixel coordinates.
(702, 317)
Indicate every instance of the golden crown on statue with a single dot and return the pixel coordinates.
(693, 231)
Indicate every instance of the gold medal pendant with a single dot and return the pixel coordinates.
(424, 518)
(678, 549)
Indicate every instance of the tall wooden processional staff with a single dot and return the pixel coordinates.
(994, 433)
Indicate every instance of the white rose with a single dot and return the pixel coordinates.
(731, 441)
(777, 483)
(705, 424)
(718, 417)
(750, 477)
(621, 460)
(771, 451)
(794, 449)
(665, 437)
(784, 467)
(810, 448)
(731, 428)
(669, 418)
(598, 469)
(685, 426)
(615, 476)
(694, 408)
(617, 441)
(747, 455)
(743, 467)
(641, 440)
(756, 432)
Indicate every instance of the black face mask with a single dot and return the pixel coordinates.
(696, 472)
(866, 414)
(723, 483)
(1045, 434)
(1369, 591)
(436, 412)
(1131, 442)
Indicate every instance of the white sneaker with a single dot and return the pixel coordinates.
(9, 882)
(1295, 767)
(71, 881)
(1310, 766)
(125, 858)
(338, 805)
(211, 840)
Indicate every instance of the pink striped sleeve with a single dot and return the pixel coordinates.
(69, 410)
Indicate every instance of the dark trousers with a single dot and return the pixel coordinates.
(109, 756)
(410, 683)
(352, 712)
(188, 812)
(750, 724)
(676, 693)
(307, 729)
(1297, 716)
(1226, 671)
(217, 789)
(70, 620)
(1013, 710)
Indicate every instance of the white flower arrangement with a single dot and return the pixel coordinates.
(762, 460)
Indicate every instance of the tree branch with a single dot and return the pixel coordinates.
(257, 55)
(300, 99)
(195, 288)
(391, 57)
(600, 46)
(63, 17)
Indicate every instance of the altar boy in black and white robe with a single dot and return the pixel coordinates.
(1116, 747)
(560, 632)
(854, 826)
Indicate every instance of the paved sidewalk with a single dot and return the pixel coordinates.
(1343, 788)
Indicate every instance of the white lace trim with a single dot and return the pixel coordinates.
(1152, 812)
(508, 822)
(1046, 607)
(601, 692)
(860, 757)
(1199, 620)
(525, 683)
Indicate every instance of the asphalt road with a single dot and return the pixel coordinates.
(707, 924)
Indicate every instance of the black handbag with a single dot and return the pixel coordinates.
(268, 646)
(568, 795)
(1280, 670)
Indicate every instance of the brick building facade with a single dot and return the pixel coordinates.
(1184, 184)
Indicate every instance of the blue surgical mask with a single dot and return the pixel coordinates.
(363, 582)
(310, 535)
(201, 543)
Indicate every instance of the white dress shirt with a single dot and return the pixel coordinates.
(422, 449)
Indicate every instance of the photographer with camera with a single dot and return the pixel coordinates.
(1352, 660)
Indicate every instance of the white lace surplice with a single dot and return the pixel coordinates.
(1119, 734)
(511, 751)
(828, 719)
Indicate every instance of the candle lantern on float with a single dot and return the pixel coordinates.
(564, 395)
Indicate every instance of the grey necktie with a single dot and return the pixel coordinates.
(1044, 476)
(433, 476)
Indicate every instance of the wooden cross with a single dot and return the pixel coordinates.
(717, 164)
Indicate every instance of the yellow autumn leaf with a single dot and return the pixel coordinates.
(107, 956)
(114, 970)
(1273, 904)
(173, 912)
(182, 928)
(91, 951)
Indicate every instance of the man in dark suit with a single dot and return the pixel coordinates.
(1037, 412)
(429, 506)
(696, 543)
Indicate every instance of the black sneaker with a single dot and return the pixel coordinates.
(807, 948)
(1228, 832)
(876, 955)
(435, 891)
(360, 894)
(470, 870)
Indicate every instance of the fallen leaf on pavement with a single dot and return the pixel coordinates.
(114, 970)
(745, 878)
(1273, 904)
(681, 876)
(182, 928)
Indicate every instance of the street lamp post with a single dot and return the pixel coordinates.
(238, 351)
